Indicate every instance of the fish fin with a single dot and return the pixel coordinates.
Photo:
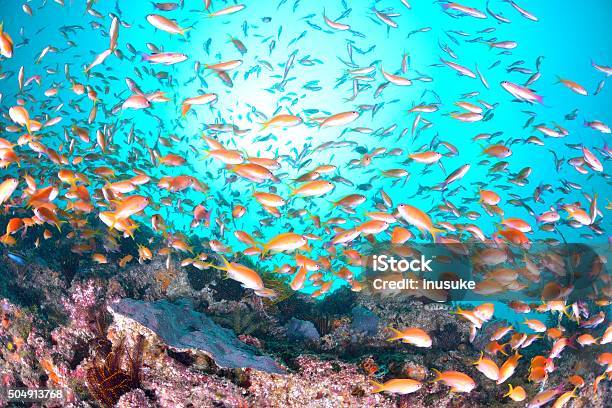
(479, 360)
(112, 226)
(379, 386)
(509, 391)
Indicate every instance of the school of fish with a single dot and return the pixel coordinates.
(78, 165)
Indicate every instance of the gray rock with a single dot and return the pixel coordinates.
(364, 321)
(483, 336)
(184, 329)
(301, 330)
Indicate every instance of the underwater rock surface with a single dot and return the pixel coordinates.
(183, 329)
(364, 321)
(301, 330)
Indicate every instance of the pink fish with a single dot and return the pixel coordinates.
(521, 93)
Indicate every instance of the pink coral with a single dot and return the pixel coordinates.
(176, 386)
(317, 384)
(84, 297)
(134, 399)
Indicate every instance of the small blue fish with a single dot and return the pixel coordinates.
(16, 258)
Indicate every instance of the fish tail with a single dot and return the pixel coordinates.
(559, 389)
(397, 332)
(483, 152)
(58, 224)
(458, 311)
(434, 232)
(379, 386)
(112, 226)
(597, 381)
(219, 268)
(264, 252)
(565, 312)
(184, 109)
(540, 99)
(509, 391)
(130, 230)
(501, 348)
(224, 260)
(571, 341)
(479, 359)
(438, 375)
(264, 125)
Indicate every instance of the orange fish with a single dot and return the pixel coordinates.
(487, 367)
(517, 394)
(418, 218)
(412, 335)
(458, 381)
(400, 386)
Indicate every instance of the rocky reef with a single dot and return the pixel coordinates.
(159, 335)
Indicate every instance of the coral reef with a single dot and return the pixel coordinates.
(316, 384)
(88, 337)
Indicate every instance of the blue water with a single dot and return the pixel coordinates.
(568, 36)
